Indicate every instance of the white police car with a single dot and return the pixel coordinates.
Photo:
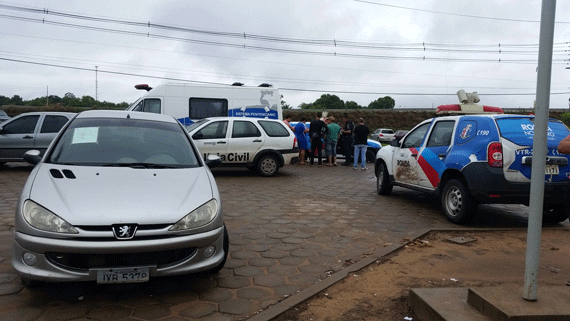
(473, 159)
(263, 145)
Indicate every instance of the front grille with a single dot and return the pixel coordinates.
(89, 261)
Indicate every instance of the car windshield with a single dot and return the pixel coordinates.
(124, 142)
(191, 127)
(3, 113)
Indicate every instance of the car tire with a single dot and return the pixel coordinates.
(554, 213)
(268, 165)
(457, 203)
(226, 248)
(370, 156)
(383, 184)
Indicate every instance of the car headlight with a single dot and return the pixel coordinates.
(198, 217)
(44, 220)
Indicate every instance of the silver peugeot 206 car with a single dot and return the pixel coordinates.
(119, 197)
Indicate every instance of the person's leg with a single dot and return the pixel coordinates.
(320, 151)
(302, 156)
(355, 156)
(363, 156)
(312, 155)
(333, 153)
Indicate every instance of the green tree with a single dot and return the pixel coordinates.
(306, 106)
(328, 101)
(565, 117)
(383, 103)
(88, 101)
(17, 100)
(4, 100)
(352, 105)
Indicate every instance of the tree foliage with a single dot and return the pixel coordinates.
(328, 101)
(383, 103)
(68, 100)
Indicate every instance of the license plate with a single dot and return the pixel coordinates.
(551, 170)
(127, 275)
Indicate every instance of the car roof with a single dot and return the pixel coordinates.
(124, 114)
(242, 118)
(46, 113)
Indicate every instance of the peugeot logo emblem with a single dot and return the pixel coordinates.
(124, 231)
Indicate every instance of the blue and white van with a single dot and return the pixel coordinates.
(191, 102)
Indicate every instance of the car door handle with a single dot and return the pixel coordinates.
(441, 155)
(257, 141)
(414, 155)
(221, 142)
(27, 137)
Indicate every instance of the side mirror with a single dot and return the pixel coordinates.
(395, 143)
(213, 161)
(32, 156)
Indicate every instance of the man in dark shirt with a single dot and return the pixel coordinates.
(346, 138)
(317, 132)
(360, 143)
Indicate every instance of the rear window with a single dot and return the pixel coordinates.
(387, 131)
(521, 130)
(274, 129)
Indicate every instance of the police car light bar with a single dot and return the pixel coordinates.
(143, 86)
(467, 109)
(468, 106)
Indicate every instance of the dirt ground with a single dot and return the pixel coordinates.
(380, 291)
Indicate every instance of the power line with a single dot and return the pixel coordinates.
(288, 40)
(454, 14)
(280, 50)
(281, 88)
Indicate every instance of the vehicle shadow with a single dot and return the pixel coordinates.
(487, 216)
(167, 289)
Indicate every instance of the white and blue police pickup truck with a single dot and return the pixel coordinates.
(482, 158)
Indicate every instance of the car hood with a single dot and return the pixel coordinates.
(111, 195)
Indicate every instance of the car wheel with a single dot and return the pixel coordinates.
(267, 165)
(383, 184)
(370, 156)
(226, 247)
(458, 205)
(554, 213)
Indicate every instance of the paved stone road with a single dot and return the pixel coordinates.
(286, 233)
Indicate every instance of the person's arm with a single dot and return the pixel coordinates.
(564, 146)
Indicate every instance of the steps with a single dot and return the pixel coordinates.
(500, 303)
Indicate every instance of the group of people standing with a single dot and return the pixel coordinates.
(325, 130)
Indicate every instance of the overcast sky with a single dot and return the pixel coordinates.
(418, 52)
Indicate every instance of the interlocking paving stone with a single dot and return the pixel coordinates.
(109, 312)
(302, 253)
(236, 306)
(248, 271)
(151, 312)
(253, 293)
(65, 312)
(269, 280)
(333, 231)
(234, 282)
(290, 260)
(198, 310)
(216, 295)
(262, 262)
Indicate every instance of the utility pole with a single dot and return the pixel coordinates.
(47, 95)
(96, 98)
(536, 200)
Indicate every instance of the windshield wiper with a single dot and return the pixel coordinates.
(139, 165)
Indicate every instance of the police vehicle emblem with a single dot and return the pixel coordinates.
(466, 131)
(124, 231)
